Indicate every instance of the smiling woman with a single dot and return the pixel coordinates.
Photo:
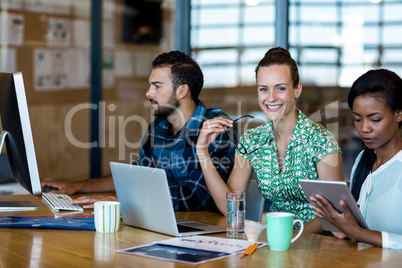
(277, 93)
(288, 147)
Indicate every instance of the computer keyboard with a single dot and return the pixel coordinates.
(60, 202)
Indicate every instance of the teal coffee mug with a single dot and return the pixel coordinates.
(280, 230)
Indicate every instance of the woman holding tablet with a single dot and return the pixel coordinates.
(288, 147)
(376, 182)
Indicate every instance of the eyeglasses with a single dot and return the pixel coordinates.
(234, 121)
(243, 116)
(240, 146)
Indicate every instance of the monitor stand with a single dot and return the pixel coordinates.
(14, 205)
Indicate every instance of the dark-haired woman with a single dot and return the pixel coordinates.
(288, 147)
(376, 182)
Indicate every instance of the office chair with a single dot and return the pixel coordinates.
(254, 202)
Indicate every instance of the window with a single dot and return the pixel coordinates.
(229, 37)
(335, 41)
(332, 41)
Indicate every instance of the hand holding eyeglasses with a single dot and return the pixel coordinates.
(214, 127)
(211, 129)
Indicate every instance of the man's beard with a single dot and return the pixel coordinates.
(164, 110)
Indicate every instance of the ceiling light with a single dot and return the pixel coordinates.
(252, 2)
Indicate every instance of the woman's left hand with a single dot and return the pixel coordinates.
(345, 221)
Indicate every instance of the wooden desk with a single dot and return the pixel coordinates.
(25, 247)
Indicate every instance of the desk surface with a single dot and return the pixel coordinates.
(24, 247)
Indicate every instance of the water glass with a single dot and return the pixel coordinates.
(236, 202)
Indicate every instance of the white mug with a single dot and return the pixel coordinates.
(107, 216)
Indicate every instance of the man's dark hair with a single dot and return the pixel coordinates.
(184, 70)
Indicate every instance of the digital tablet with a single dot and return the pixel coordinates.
(333, 191)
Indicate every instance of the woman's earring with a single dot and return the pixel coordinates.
(399, 117)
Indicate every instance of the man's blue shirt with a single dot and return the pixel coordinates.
(176, 154)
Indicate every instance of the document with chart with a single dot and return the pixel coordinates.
(192, 249)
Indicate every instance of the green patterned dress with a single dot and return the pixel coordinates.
(309, 144)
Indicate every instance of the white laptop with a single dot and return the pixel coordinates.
(144, 195)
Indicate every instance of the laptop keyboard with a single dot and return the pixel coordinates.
(186, 229)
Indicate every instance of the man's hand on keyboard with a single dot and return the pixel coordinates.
(89, 200)
(59, 187)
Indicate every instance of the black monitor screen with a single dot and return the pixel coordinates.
(142, 22)
(18, 140)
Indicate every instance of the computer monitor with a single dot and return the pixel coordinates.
(17, 133)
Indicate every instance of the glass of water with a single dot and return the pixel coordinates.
(236, 212)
